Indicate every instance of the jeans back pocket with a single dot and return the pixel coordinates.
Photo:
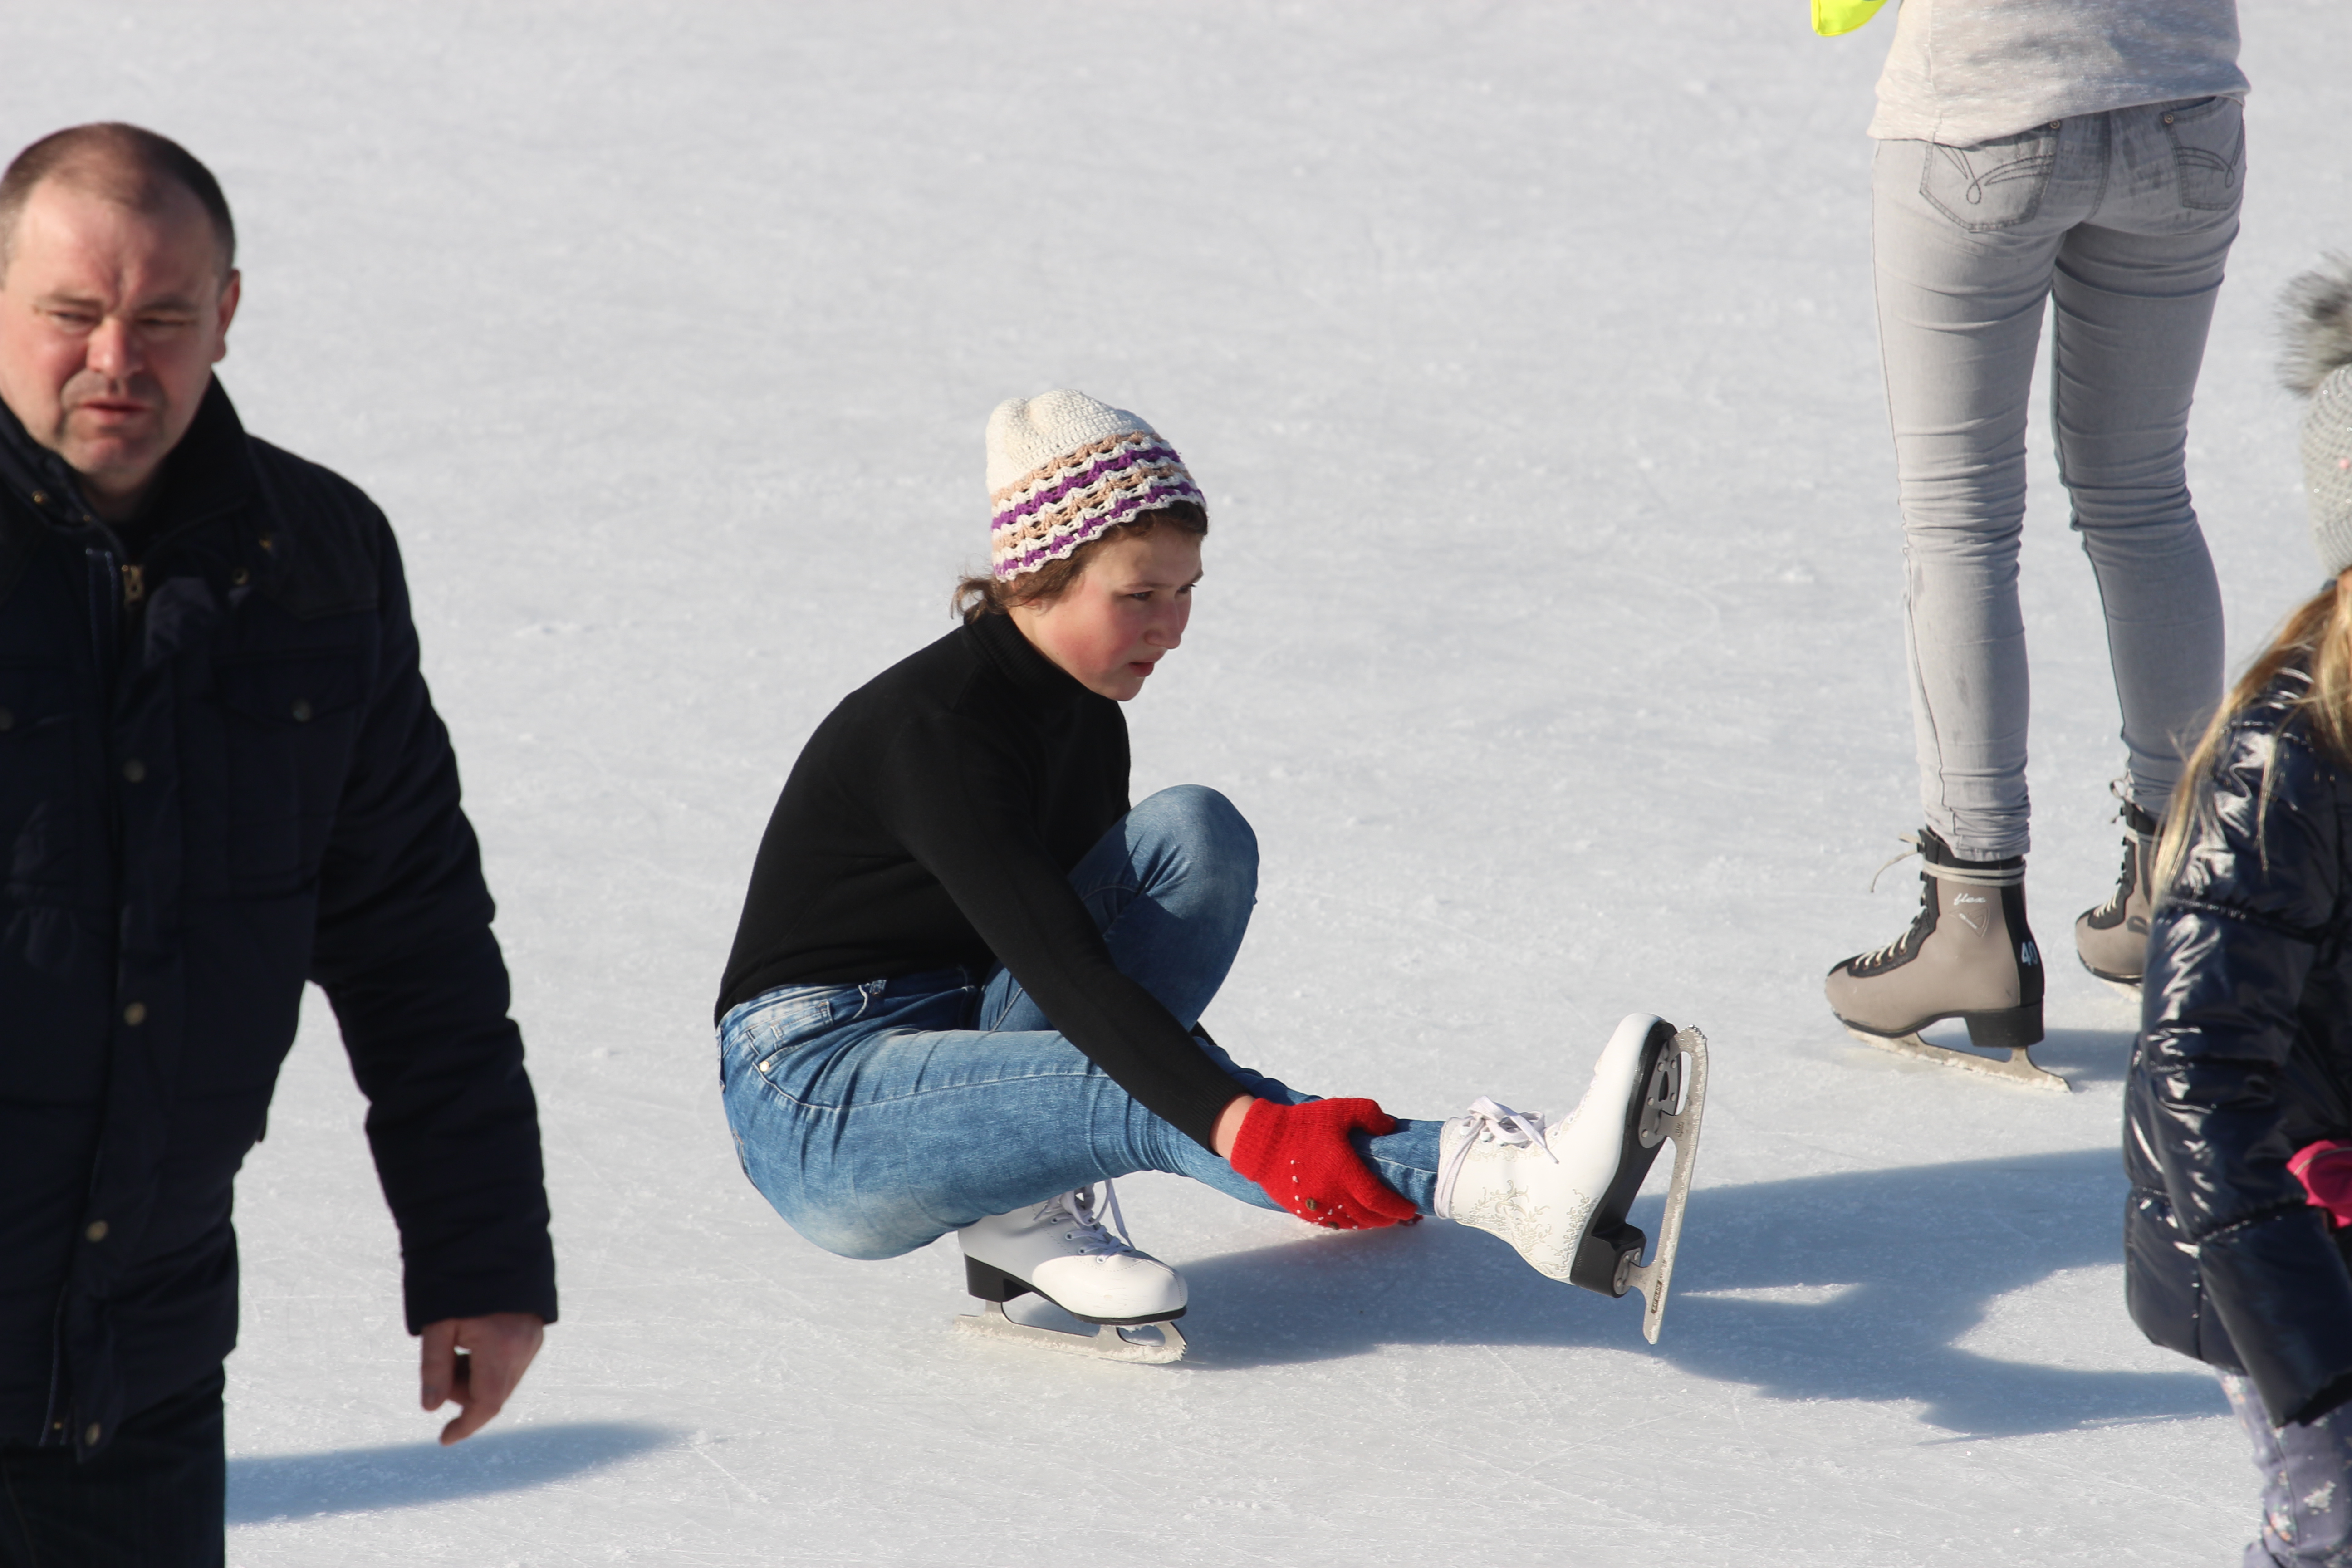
(2209, 152)
(755, 1032)
(1992, 186)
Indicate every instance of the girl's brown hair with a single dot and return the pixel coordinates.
(981, 593)
(2316, 640)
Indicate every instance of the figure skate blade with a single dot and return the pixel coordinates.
(2014, 1065)
(1109, 1341)
(1652, 1278)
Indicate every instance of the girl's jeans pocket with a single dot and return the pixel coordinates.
(1992, 186)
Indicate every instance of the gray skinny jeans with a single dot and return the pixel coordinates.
(2123, 219)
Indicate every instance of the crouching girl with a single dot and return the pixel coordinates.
(967, 986)
(2239, 1103)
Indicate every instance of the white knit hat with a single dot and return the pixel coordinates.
(2319, 365)
(1062, 467)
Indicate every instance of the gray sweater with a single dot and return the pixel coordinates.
(1963, 72)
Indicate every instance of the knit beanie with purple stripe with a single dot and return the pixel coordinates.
(2318, 315)
(1062, 468)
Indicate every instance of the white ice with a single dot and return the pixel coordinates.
(1549, 640)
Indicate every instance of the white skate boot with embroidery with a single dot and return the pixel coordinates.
(1559, 1194)
(1061, 1250)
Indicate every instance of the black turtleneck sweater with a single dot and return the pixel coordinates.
(931, 823)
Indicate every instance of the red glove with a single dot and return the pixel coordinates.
(1301, 1156)
(2325, 1169)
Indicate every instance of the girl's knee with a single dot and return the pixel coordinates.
(1202, 820)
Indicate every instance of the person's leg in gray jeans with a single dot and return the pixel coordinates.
(2126, 221)
(2123, 219)
(2133, 294)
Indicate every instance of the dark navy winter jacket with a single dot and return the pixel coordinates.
(220, 776)
(2245, 1056)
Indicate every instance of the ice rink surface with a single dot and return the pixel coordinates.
(1549, 639)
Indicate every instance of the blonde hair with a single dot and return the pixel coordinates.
(2316, 639)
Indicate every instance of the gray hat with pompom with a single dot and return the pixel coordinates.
(2318, 364)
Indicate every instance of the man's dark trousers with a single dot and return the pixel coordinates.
(154, 1498)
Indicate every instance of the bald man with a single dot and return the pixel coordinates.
(220, 777)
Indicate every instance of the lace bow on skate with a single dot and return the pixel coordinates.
(1094, 1238)
(1490, 1118)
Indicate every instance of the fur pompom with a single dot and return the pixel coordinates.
(2317, 315)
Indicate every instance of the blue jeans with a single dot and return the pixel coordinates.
(878, 1117)
(2122, 222)
(156, 1495)
(2306, 1482)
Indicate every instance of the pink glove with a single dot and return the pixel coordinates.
(1301, 1156)
(2325, 1169)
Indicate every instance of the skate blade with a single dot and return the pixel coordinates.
(1652, 1278)
(1107, 1343)
(2015, 1066)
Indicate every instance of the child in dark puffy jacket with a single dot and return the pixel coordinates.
(2239, 1106)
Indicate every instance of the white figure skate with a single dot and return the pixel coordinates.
(1561, 1194)
(1061, 1250)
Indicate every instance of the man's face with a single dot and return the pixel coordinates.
(111, 322)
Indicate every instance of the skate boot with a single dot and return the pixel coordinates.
(1561, 1194)
(2112, 939)
(1967, 956)
(1061, 1250)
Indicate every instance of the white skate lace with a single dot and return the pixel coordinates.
(1976, 876)
(1490, 1118)
(1094, 1239)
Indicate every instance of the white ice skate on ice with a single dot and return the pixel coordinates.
(1561, 1194)
(1061, 1250)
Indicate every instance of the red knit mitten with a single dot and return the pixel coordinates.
(1301, 1156)
(2325, 1169)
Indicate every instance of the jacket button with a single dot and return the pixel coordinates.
(301, 711)
(134, 770)
(97, 1231)
(135, 1014)
(91, 1434)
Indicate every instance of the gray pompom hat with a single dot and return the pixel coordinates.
(2318, 312)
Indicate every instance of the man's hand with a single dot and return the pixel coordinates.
(476, 1362)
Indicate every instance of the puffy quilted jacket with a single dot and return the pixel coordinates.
(221, 776)
(2244, 1056)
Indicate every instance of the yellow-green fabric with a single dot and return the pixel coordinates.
(1832, 17)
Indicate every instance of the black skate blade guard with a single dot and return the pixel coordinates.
(1605, 1260)
(991, 1283)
